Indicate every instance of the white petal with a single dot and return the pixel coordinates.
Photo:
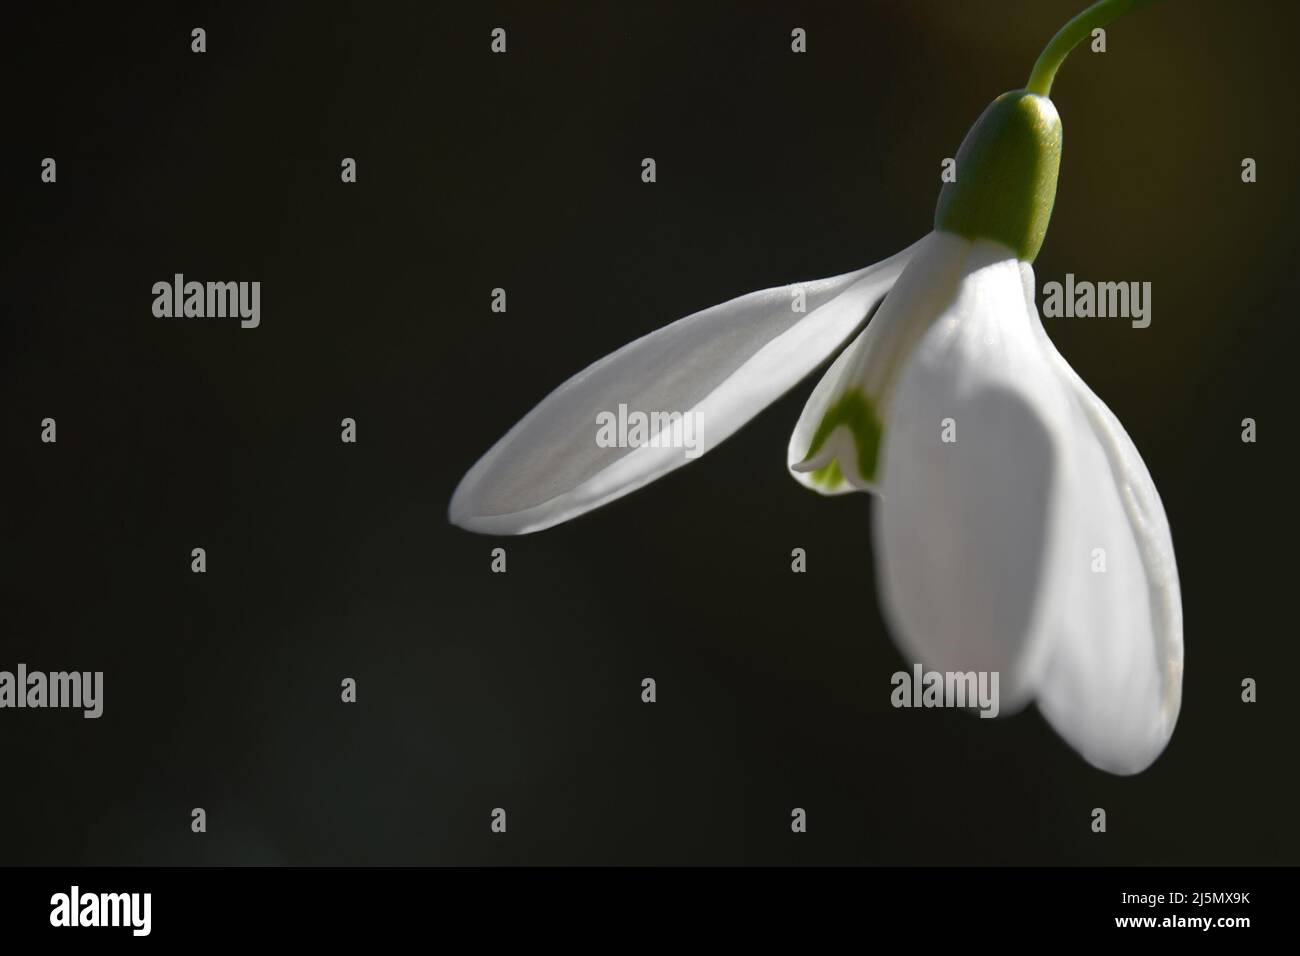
(846, 411)
(965, 529)
(1113, 686)
(722, 366)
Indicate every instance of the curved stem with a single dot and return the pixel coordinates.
(1068, 37)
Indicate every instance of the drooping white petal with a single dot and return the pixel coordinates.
(834, 447)
(1113, 684)
(972, 470)
(714, 370)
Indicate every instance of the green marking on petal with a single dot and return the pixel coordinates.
(828, 475)
(854, 411)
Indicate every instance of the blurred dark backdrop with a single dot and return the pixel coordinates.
(522, 171)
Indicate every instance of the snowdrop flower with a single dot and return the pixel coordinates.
(1016, 528)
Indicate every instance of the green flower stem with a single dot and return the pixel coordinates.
(1008, 163)
(1070, 35)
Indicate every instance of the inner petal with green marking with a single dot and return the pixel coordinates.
(836, 446)
(852, 411)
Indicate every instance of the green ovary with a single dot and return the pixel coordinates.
(854, 411)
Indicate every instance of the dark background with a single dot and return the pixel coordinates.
(522, 690)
